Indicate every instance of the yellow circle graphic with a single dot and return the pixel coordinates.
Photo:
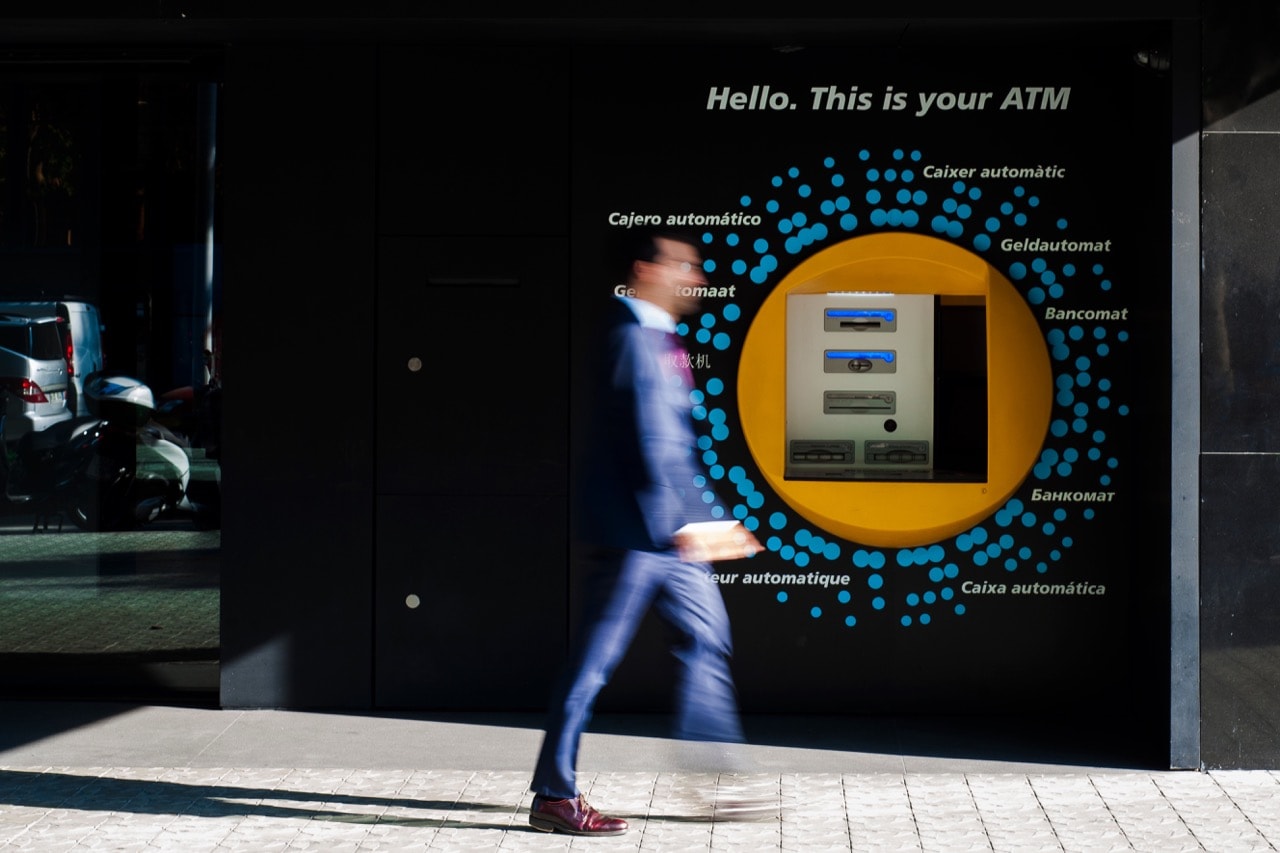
(903, 513)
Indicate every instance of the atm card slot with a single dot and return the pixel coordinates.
(859, 402)
(860, 320)
(817, 452)
(860, 361)
(897, 452)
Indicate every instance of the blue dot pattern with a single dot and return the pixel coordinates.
(802, 213)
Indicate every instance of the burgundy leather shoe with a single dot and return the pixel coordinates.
(574, 817)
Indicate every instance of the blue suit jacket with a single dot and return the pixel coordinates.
(638, 459)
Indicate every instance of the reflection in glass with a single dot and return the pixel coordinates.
(110, 518)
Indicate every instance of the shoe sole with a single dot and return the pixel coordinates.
(545, 825)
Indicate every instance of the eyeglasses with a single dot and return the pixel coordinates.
(683, 266)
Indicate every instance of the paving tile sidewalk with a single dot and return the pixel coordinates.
(78, 777)
(260, 809)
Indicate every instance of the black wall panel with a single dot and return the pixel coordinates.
(472, 500)
(470, 600)
(299, 136)
(472, 366)
(1240, 435)
(1240, 600)
(473, 139)
(1240, 368)
(472, 376)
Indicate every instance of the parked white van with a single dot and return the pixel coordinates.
(84, 346)
(33, 374)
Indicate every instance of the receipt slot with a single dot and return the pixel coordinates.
(859, 385)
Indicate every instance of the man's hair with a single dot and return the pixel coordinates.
(641, 244)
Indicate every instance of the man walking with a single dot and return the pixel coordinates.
(645, 531)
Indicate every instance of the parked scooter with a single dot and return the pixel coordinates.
(112, 470)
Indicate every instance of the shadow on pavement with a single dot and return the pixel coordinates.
(53, 790)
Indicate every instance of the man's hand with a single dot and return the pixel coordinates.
(708, 541)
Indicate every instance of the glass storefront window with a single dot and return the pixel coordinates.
(110, 260)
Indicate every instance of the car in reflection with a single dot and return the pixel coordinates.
(82, 331)
(34, 375)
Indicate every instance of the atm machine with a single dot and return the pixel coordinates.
(859, 386)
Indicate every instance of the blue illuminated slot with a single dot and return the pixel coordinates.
(849, 354)
(885, 314)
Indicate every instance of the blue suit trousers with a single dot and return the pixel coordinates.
(622, 587)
